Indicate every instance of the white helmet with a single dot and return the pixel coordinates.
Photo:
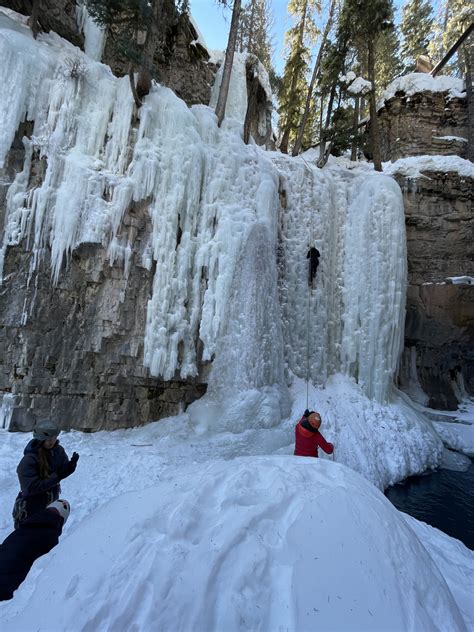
(62, 507)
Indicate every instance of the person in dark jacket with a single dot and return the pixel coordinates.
(307, 436)
(35, 537)
(44, 464)
(313, 256)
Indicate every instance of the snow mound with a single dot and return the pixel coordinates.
(242, 545)
(360, 86)
(421, 82)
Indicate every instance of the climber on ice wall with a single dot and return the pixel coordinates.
(313, 256)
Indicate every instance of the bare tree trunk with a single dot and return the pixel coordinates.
(321, 119)
(33, 19)
(322, 142)
(469, 59)
(304, 120)
(229, 58)
(131, 77)
(355, 129)
(144, 76)
(252, 84)
(374, 123)
(465, 36)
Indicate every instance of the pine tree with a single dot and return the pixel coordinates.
(416, 28)
(365, 22)
(134, 27)
(254, 31)
(388, 64)
(309, 104)
(294, 83)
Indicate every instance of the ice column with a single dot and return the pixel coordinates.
(374, 285)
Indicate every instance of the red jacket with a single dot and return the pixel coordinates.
(307, 442)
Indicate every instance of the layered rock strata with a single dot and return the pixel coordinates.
(425, 123)
(440, 313)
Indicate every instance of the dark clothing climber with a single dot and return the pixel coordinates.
(313, 256)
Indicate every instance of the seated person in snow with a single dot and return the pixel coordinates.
(307, 436)
(43, 466)
(35, 537)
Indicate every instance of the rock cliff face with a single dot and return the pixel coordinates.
(440, 314)
(439, 330)
(426, 123)
(74, 351)
(55, 15)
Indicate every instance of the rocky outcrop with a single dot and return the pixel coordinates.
(181, 62)
(426, 123)
(440, 314)
(74, 351)
(55, 15)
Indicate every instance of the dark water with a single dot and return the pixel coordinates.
(443, 499)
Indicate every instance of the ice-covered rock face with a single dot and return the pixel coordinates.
(216, 226)
(351, 320)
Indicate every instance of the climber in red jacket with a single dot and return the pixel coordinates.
(307, 436)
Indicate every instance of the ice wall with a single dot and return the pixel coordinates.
(352, 319)
(210, 198)
(216, 226)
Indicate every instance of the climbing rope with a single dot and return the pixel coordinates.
(308, 321)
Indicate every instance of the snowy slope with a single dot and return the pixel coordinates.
(254, 543)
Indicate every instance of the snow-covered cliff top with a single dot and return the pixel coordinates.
(421, 82)
(413, 166)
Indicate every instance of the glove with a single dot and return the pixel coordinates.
(68, 468)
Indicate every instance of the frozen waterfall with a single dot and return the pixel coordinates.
(353, 320)
(218, 229)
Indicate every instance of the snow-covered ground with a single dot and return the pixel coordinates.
(178, 526)
(270, 543)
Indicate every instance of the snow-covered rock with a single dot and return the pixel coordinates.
(413, 166)
(420, 82)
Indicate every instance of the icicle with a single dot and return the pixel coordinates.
(6, 409)
(94, 36)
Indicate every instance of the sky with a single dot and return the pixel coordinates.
(213, 21)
